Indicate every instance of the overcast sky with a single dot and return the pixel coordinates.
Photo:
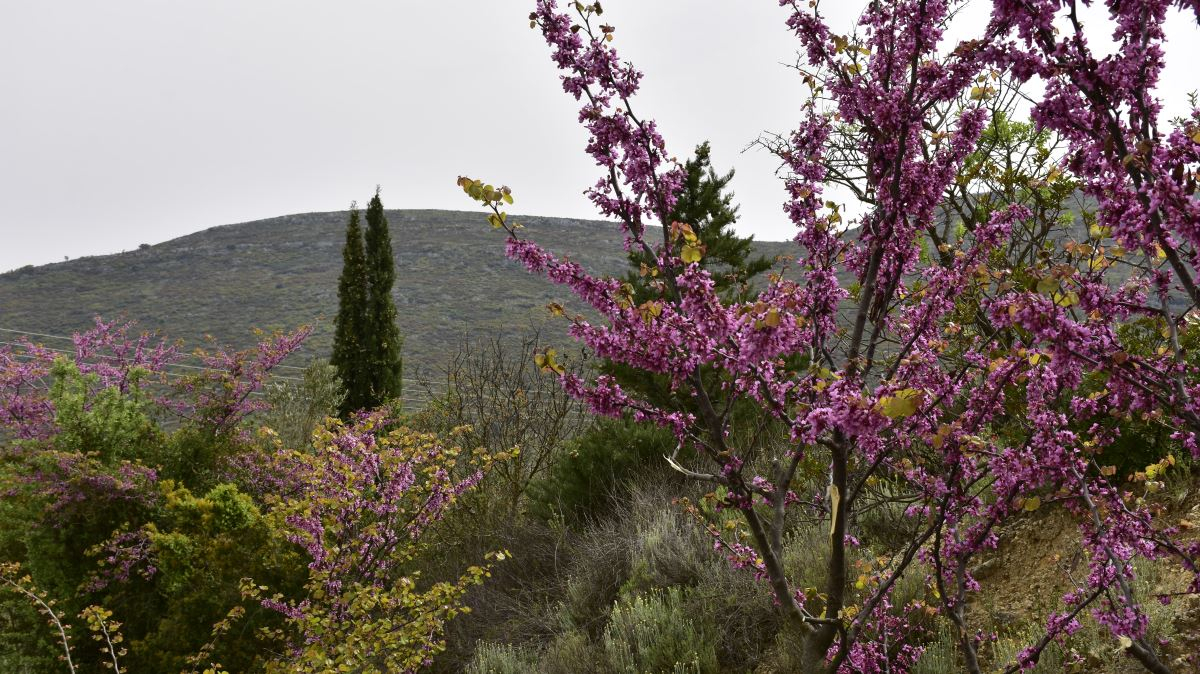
(136, 121)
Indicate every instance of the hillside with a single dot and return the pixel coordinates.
(452, 280)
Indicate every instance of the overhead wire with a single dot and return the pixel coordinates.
(72, 339)
(432, 389)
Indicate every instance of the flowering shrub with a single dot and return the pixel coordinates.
(107, 354)
(169, 523)
(104, 444)
(879, 378)
(357, 505)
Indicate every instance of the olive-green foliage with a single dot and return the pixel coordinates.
(559, 596)
(656, 634)
(202, 546)
(881, 522)
(940, 655)
(298, 408)
(594, 581)
(1005, 650)
(26, 645)
(600, 464)
(194, 456)
(743, 610)
(667, 550)
(571, 653)
(502, 659)
(111, 423)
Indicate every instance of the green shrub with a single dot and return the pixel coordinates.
(653, 634)
(502, 659)
(571, 653)
(1007, 648)
(667, 550)
(941, 655)
(298, 408)
(598, 464)
(104, 421)
(742, 610)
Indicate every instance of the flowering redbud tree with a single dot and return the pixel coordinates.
(357, 504)
(981, 385)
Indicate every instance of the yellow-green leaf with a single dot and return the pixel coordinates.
(1047, 285)
(835, 502)
(771, 320)
(1067, 299)
(546, 361)
(903, 404)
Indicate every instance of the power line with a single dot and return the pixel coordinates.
(182, 365)
(274, 377)
(166, 375)
(72, 339)
(433, 389)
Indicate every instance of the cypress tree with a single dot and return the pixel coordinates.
(349, 349)
(383, 340)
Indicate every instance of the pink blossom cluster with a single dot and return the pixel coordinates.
(107, 350)
(222, 395)
(121, 557)
(359, 502)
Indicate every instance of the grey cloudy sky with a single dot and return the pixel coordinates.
(136, 121)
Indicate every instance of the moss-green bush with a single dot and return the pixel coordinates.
(572, 653)
(502, 659)
(654, 634)
(667, 550)
(599, 464)
(940, 655)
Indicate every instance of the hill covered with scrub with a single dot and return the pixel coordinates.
(452, 281)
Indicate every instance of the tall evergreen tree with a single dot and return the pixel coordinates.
(350, 327)
(383, 338)
(705, 203)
